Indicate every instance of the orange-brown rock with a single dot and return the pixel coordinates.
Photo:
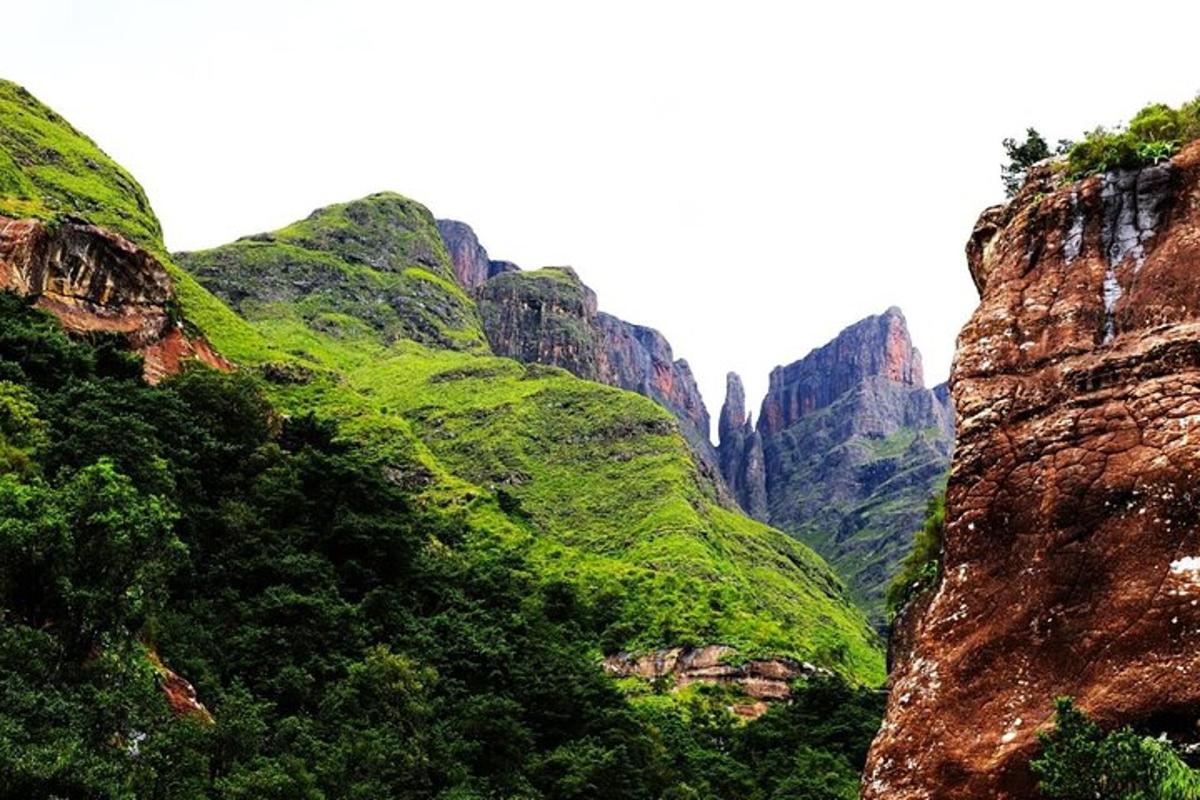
(178, 691)
(1072, 563)
(95, 281)
(759, 679)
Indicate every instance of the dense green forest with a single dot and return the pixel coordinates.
(346, 642)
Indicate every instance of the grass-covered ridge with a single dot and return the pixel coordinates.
(48, 170)
(51, 171)
(379, 259)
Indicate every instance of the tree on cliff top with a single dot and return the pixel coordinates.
(1023, 155)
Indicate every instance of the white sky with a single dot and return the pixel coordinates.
(747, 177)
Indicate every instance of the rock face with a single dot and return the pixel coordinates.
(544, 316)
(549, 316)
(741, 452)
(1072, 563)
(640, 359)
(95, 281)
(760, 679)
(472, 266)
(849, 447)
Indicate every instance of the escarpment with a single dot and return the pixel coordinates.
(95, 281)
(849, 447)
(1072, 530)
(549, 316)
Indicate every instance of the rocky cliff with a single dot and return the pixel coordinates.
(95, 281)
(849, 447)
(741, 452)
(549, 316)
(472, 266)
(1071, 545)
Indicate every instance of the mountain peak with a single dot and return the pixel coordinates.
(878, 345)
(733, 412)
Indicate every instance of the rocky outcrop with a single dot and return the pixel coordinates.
(761, 680)
(544, 316)
(876, 346)
(549, 316)
(472, 266)
(180, 695)
(1072, 543)
(741, 454)
(95, 281)
(852, 446)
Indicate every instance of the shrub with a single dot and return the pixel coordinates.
(1079, 761)
(1152, 136)
(1023, 155)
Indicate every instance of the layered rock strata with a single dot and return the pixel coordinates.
(760, 680)
(95, 281)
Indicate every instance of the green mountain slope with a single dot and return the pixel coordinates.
(379, 261)
(599, 478)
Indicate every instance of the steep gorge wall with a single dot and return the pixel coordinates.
(849, 447)
(1072, 553)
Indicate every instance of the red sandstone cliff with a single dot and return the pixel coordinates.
(95, 281)
(1072, 563)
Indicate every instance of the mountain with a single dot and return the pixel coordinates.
(1069, 564)
(600, 477)
(366, 555)
(549, 316)
(848, 449)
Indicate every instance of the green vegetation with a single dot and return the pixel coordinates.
(1023, 155)
(379, 260)
(388, 561)
(602, 482)
(921, 570)
(598, 478)
(1155, 134)
(1079, 761)
(349, 639)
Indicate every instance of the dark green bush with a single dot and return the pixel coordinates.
(1023, 155)
(1079, 761)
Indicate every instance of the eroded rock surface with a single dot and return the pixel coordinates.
(1072, 563)
(95, 281)
(760, 680)
(741, 452)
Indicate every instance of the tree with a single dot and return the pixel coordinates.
(1023, 155)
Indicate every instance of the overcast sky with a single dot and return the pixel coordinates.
(747, 177)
